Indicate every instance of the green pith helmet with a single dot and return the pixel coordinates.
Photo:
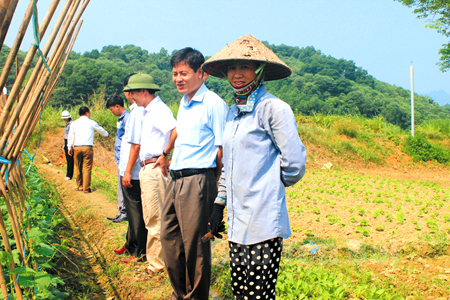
(141, 81)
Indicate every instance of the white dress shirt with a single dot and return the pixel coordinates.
(154, 134)
(81, 132)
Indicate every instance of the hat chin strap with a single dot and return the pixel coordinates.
(241, 94)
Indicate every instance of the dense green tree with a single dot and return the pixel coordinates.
(437, 13)
(318, 84)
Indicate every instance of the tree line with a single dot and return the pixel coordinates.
(318, 84)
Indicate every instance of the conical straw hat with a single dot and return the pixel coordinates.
(247, 48)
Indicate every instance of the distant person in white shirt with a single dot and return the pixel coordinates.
(80, 143)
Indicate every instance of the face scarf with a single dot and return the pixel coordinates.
(246, 96)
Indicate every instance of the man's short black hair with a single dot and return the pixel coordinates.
(125, 81)
(113, 101)
(83, 110)
(192, 57)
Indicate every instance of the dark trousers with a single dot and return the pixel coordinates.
(136, 233)
(69, 161)
(184, 220)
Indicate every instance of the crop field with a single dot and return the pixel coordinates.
(362, 237)
(338, 204)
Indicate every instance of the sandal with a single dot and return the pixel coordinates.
(88, 191)
(78, 189)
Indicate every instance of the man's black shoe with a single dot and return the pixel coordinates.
(113, 218)
(120, 219)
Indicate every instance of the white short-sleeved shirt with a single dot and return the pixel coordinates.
(155, 131)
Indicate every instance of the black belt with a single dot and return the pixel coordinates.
(186, 172)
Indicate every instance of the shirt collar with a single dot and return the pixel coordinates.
(151, 104)
(123, 114)
(198, 97)
(260, 93)
(133, 106)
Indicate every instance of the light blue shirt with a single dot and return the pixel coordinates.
(121, 122)
(200, 125)
(262, 153)
(134, 121)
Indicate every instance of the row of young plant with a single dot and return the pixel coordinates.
(370, 204)
(36, 274)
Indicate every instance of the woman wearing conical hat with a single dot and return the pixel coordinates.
(262, 154)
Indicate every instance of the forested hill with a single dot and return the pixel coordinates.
(319, 83)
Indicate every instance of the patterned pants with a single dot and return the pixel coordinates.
(254, 269)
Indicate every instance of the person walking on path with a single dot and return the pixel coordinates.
(262, 154)
(116, 105)
(80, 144)
(195, 166)
(152, 138)
(69, 159)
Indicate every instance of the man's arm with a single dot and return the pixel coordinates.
(163, 161)
(134, 154)
(99, 129)
(70, 140)
(219, 164)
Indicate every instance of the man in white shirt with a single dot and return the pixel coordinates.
(136, 241)
(151, 140)
(80, 143)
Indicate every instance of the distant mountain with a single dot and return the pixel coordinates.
(440, 97)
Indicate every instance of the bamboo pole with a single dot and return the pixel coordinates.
(16, 174)
(7, 21)
(15, 194)
(15, 48)
(3, 284)
(4, 5)
(64, 62)
(28, 87)
(36, 118)
(13, 220)
(67, 15)
(19, 80)
(63, 52)
(19, 135)
(5, 239)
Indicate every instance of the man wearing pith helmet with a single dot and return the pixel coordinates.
(195, 166)
(136, 240)
(151, 139)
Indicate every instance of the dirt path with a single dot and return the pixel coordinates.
(92, 270)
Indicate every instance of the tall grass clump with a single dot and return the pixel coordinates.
(420, 149)
(435, 129)
(361, 140)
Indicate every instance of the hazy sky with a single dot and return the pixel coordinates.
(381, 36)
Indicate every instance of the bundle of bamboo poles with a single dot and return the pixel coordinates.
(20, 110)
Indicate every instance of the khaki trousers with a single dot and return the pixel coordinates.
(188, 205)
(84, 159)
(153, 191)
